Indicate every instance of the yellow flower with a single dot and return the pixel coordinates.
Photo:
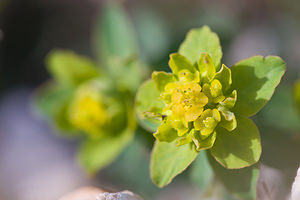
(186, 101)
(87, 112)
(197, 99)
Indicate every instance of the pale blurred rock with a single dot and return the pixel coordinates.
(296, 187)
(271, 184)
(85, 193)
(124, 195)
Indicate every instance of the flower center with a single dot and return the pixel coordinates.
(189, 95)
(209, 122)
(87, 112)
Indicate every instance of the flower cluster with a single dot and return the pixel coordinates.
(94, 112)
(197, 100)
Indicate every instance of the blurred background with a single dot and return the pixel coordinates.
(37, 163)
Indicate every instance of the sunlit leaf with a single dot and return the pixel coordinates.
(255, 80)
(238, 148)
(169, 160)
(201, 40)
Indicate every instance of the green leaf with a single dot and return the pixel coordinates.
(241, 183)
(161, 79)
(116, 46)
(202, 173)
(49, 95)
(126, 73)
(61, 119)
(199, 41)
(148, 104)
(69, 68)
(95, 154)
(238, 148)
(297, 94)
(255, 80)
(53, 101)
(169, 160)
(151, 26)
(114, 34)
(178, 62)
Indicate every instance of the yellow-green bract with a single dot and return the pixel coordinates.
(201, 105)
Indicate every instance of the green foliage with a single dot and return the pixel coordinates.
(151, 26)
(114, 37)
(255, 79)
(168, 160)
(238, 148)
(98, 103)
(201, 41)
(241, 183)
(206, 108)
(68, 68)
(95, 154)
(52, 100)
(201, 105)
(88, 104)
(116, 47)
(147, 99)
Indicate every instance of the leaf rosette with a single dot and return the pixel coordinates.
(83, 100)
(202, 105)
(93, 102)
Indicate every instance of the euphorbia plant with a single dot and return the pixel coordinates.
(202, 105)
(93, 102)
(86, 102)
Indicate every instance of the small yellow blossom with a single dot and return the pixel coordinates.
(208, 121)
(197, 99)
(87, 112)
